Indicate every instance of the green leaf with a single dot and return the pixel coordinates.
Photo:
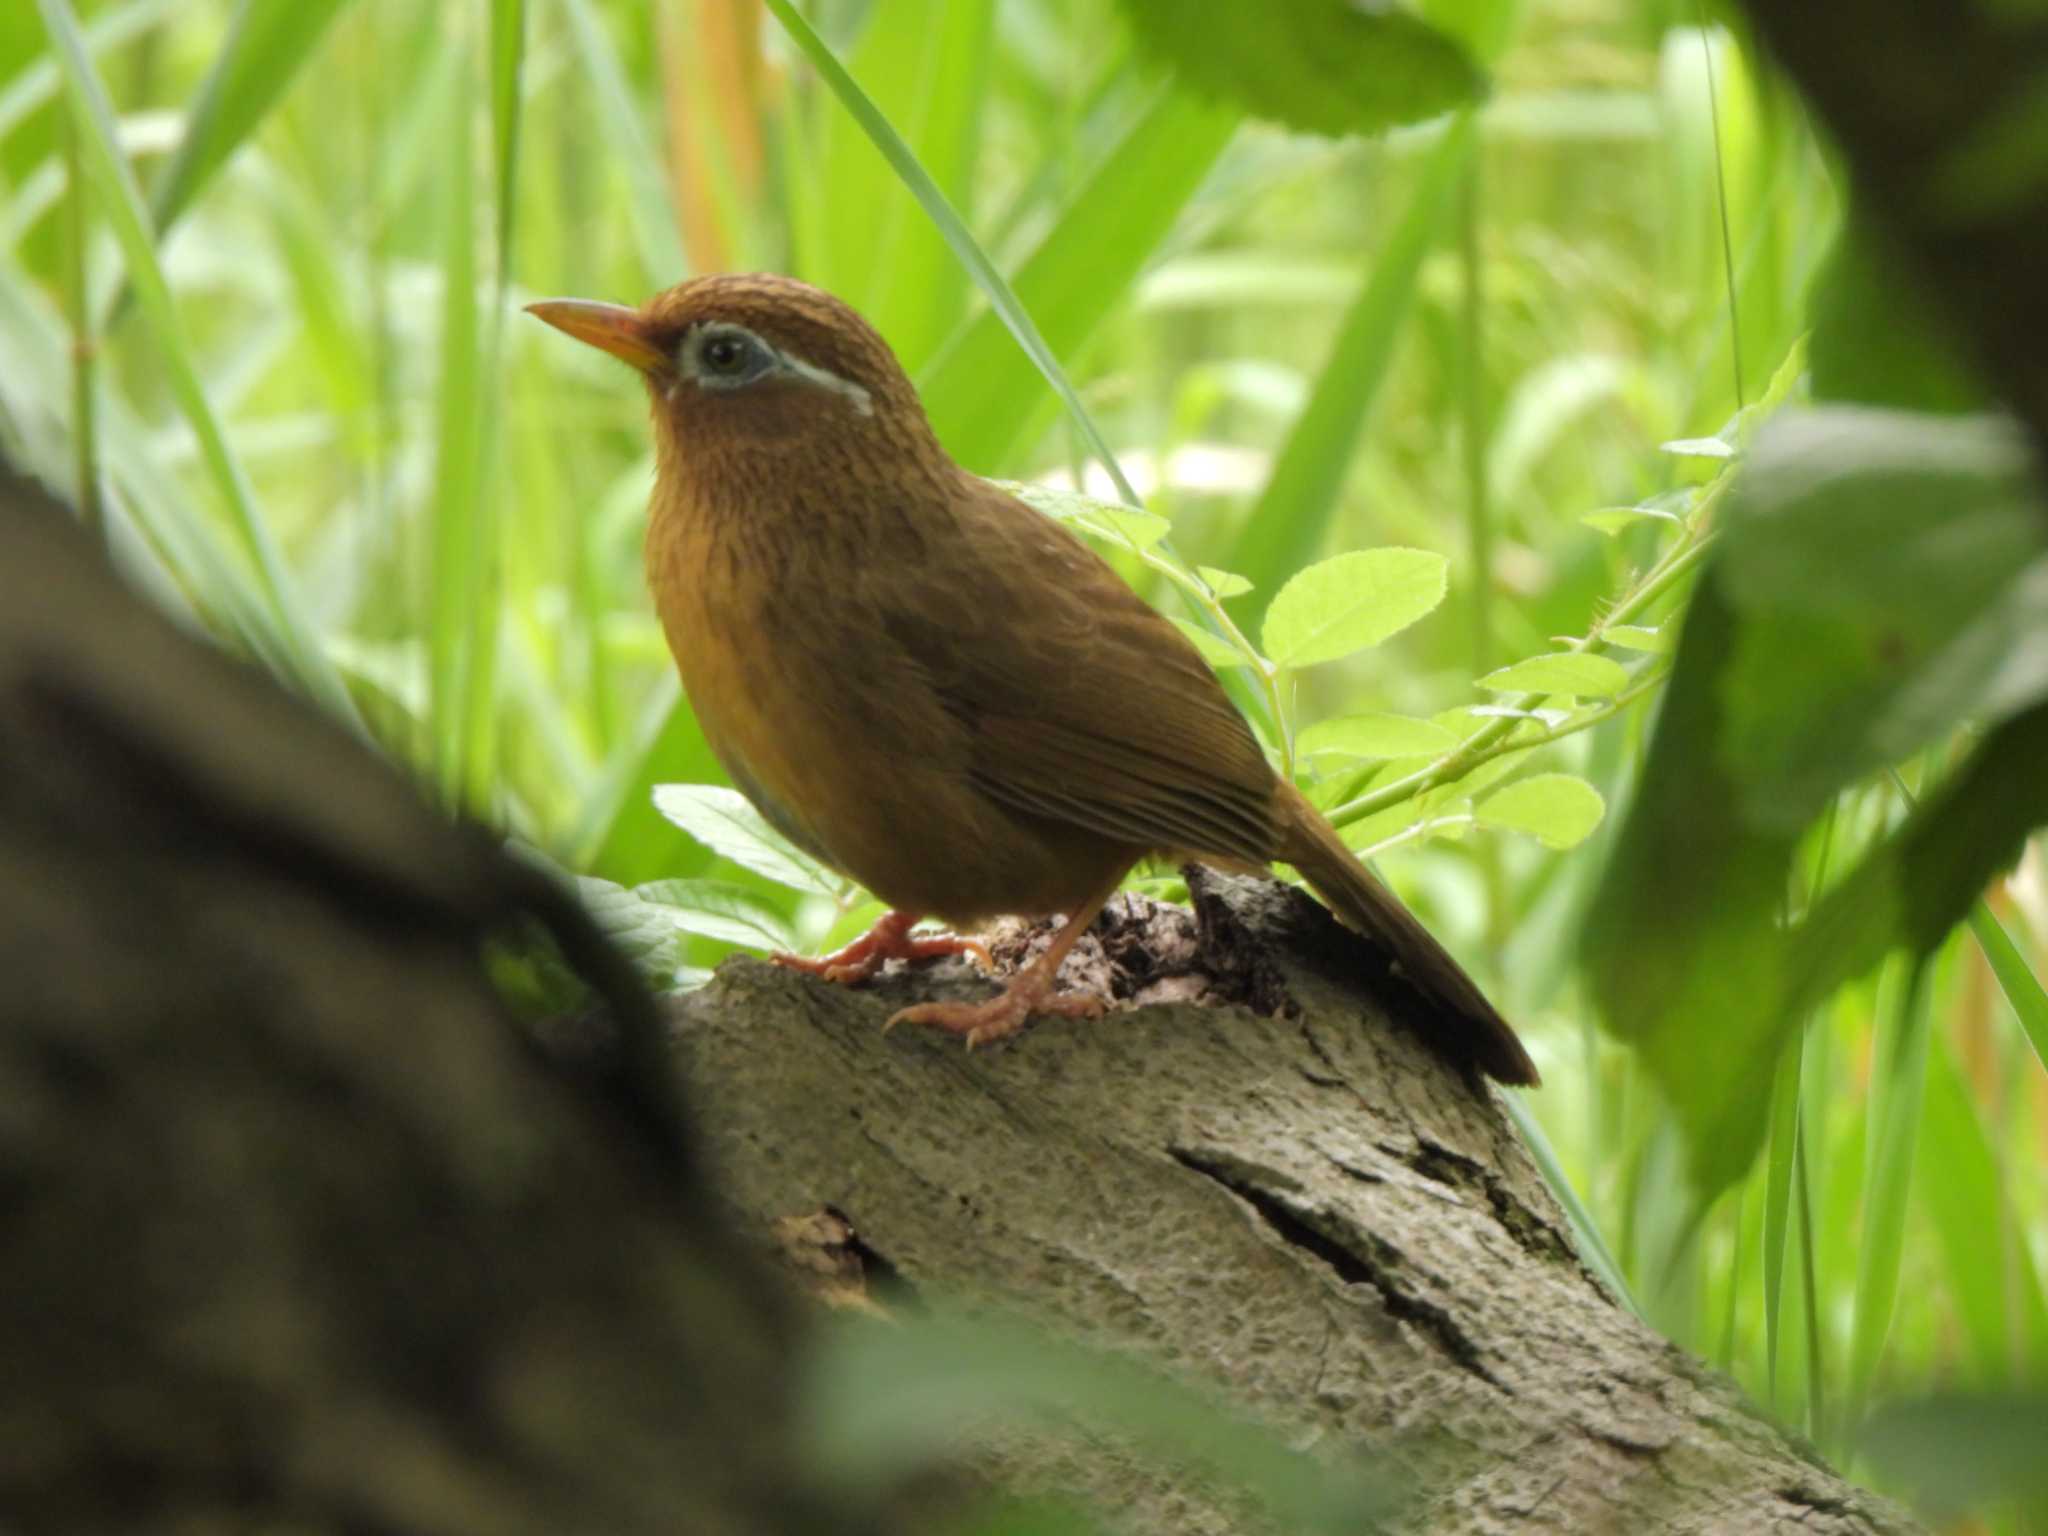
(1104, 519)
(1320, 66)
(1350, 602)
(713, 909)
(1223, 583)
(1698, 448)
(888, 1399)
(1612, 520)
(644, 933)
(1375, 737)
(1889, 575)
(265, 47)
(1657, 642)
(724, 821)
(1569, 672)
(1216, 652)
(1875, 340)
(508, 73)
(2022, 988)
(1559, 810)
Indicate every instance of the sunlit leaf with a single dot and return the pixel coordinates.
(1223, 583)
(1216, 652)
(1320, 66)
(724, 821)
(1350, 602)
(1559, 810)
(1375, 736)
(713, 909)
(1698, 448)
(640, 930)
(1635, 637)
(1568, 672)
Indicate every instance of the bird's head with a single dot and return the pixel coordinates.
(760, 377)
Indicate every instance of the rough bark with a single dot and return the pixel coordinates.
(304, 1231)
(1296, 1200)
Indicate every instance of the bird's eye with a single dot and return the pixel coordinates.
(730, 357)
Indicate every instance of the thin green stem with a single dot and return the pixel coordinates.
(1492, 740)
(84, 348)
(1721, 196)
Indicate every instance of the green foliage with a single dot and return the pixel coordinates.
(891, 1398)
(1961, 1451)
(316, 432)
(1875, 574)
(1349, 602)
(1322, 66)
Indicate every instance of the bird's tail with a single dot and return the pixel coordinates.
(1312, 846)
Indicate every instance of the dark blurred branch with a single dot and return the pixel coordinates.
(1937, 109)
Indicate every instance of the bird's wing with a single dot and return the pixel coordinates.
(1080, 704)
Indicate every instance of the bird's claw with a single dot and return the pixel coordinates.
(890, 939)
(1001, 1016)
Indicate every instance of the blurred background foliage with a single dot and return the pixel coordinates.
(259, 274)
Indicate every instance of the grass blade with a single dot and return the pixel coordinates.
(508, 70)
(1778, 1200)
(958, 389)
(2022, 988)
(1999, 1304)
(1287, 527)
(1898, 1087)
(291, 645)
(461, 606)
(980, 392)
(265, 47)
(1592, 1246)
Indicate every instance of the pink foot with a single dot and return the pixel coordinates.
(889, 939)
(1003, 1015)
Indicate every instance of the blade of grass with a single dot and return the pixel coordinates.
(1968, 1201)
(2022, 988)
(1287, 526)
(293, 647)
(957, 390)
(35, 84)
(460, 604)
(265, 47)
(84, 375)
(508, 71)
(1778, 1200)
(1898, 1090)
(979, 390)
(1592, 1246)
(928, 72)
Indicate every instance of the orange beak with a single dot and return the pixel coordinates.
(610, 328)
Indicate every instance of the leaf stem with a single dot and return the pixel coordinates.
(1493, 740)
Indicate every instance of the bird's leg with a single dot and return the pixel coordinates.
(889, 939)
(1030, 990)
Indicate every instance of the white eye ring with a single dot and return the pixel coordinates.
(727, 357)
(722, 356)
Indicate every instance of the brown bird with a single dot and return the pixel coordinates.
(929, 685)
